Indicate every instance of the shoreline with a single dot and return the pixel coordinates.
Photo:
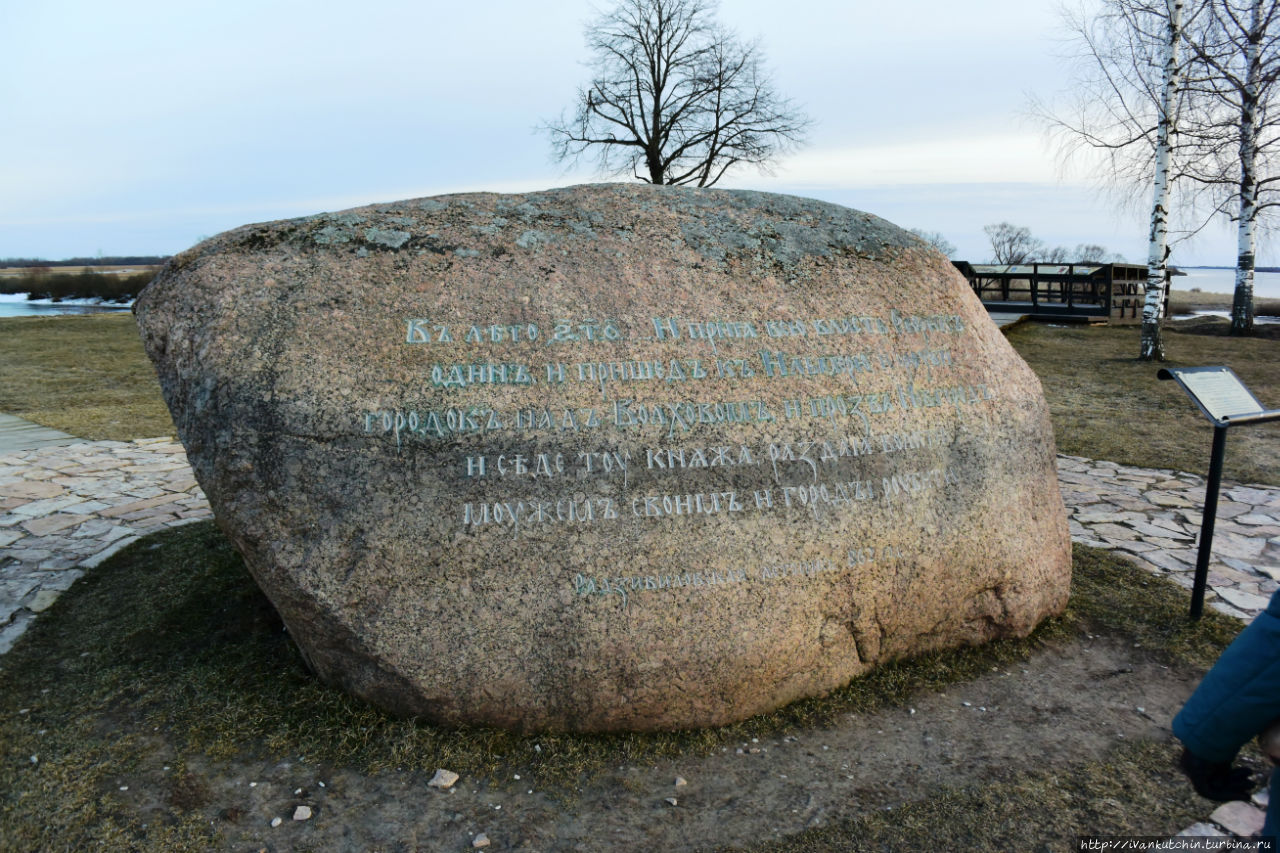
(23, 299)
(1190, 301)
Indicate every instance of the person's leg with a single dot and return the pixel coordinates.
(1239, 696)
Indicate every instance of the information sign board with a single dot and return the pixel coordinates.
(1218, 391)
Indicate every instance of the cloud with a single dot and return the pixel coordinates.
(969, 159)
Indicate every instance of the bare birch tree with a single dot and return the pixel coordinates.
(1132, 94)
(1215, 139)
(675, 98)
(1240, 50)
(1152, 343)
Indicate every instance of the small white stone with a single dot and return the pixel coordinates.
(124, 787)
(967, 704)
(35, 759)
(276, 821)
(681, 782)
(443, 779)
(321, 784)
(671, 801)
(516, 776)
(251, 784)
(481, 840)
(302, 813)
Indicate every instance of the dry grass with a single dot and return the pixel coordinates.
(1186, 301)
(85, 375)
(1134, 791)
(1106, 404)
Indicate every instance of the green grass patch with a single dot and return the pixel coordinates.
(1106, 404)
(170, 650)
(85, 375)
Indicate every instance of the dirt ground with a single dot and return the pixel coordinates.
(1068, 704)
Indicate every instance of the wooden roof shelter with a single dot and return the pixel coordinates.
(1112, 293)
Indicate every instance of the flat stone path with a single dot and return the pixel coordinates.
(1152, 517)
(65, 508)
(18, 434)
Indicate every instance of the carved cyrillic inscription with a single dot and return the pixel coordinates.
(892, 366)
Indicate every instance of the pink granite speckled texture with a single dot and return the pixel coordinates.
(613, 456)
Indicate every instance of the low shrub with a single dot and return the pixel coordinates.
(109, 287)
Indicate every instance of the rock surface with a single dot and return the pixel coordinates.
(609, 457)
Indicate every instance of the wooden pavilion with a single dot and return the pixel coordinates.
(1110, 293)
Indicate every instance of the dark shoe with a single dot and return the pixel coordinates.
(1217, 781)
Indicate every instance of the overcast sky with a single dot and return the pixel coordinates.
(139, 127)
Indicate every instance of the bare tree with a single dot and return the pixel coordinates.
(1092, 253)
(1202, 130)
(1056, 255)
(1133, 94)
(1239, 48)
(1152, 343)
(1013, 244)
(936, 240)
(675, 98)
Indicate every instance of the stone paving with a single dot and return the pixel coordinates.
(65, 509)
(18, 434)
(1152, 517)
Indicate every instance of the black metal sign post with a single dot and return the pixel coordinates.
(1224, 400)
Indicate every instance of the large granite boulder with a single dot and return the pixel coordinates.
(609, 457)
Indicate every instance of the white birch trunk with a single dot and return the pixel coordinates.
(1158, 249)
(1242, 302)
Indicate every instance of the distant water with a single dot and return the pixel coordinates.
(1265, 284)
(17, 305)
